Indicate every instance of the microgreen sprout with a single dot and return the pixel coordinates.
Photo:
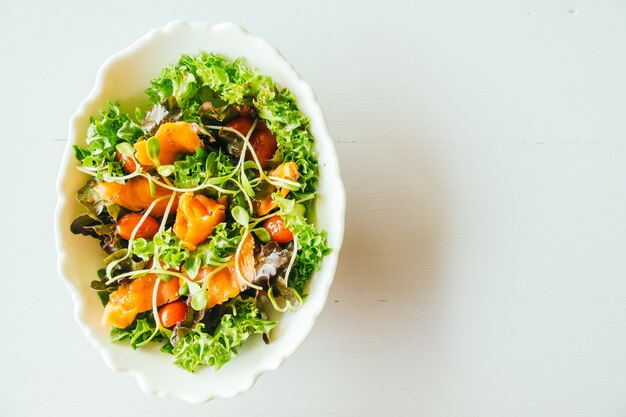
(240, 215)
(125, 149)
(153, 147)
(293, 258)
(288, 304)
(275, 181)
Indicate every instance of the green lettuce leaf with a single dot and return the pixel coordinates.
(235, 83)
(312, 247)
(312, 244)
(190, 172)
(103, 135)
(140, 331)
(103, 290)
(97, 207)
(199, 348)
(172, 252)
(175, 81)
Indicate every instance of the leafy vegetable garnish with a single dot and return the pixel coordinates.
(97, 207)
(190, 172)
(103, 290)
(172, 253)
(235, 83)
(204, 206)
(175, 81)
(103, 135)
(110, 240)
(199, 348)
(271, 259)
(312, 244)
(312, 248)
(218, 250)
(140, 332)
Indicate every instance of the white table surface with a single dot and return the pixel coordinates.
(483, 148)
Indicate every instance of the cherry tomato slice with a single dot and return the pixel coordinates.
(127, 223)
(262, 140)
(263, 143)
(242, 125)
(172, 313)
(275, 225)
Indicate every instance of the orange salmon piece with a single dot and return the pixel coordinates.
(136, 297)
(135, 195)
(288, 171)
(222, 286)
(226, 283)
(246, 262)
(174, 139)
(196, 217)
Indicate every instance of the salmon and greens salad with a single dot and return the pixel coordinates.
(203, 206)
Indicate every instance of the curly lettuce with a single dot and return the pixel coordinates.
(113, 128)
(195, 78)
(312, 244)
(199, 348)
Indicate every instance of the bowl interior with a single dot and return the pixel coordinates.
(123, 78)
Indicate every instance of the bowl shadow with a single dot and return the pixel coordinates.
(391, 259)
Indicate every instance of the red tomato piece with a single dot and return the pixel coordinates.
(275, 225)
(262, 140)
(173, 313)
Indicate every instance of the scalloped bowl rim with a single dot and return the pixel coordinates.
(329, 173)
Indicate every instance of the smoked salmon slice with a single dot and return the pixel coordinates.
(227, 283)
(196, 217)
(174, 139)
(288, 171)
(134, 195)
(136, 297)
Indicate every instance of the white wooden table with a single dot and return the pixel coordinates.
(483, 147)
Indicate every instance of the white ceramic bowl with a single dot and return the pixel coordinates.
(124, 77)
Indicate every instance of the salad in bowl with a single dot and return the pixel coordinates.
(206, 199)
